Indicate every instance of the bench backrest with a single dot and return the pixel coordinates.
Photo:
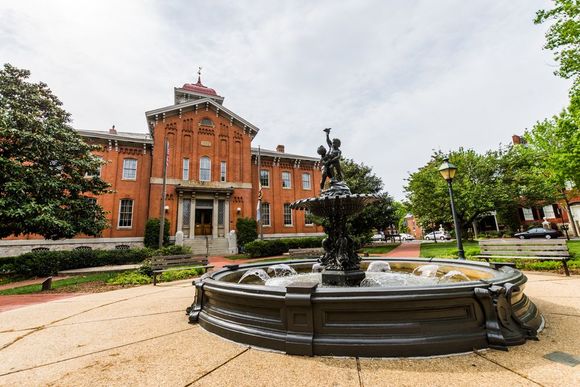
(306, 252)
(528, 248)
(166, 261)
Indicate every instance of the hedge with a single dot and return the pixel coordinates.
(271, 247)
(151, 238)
(45, 263)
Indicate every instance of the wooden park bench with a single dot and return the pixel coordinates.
(541, 250)
(165, 263)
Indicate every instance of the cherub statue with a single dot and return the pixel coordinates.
(326, 172)
(333, 157)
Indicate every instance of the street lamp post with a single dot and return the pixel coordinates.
(448, 170)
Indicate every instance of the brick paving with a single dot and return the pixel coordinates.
(405, 250)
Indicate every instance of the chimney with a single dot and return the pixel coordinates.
(280, 148)
(113, 130)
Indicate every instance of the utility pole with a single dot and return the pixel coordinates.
(163, 194)
(259, 210)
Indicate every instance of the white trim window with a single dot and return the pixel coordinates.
(126, 213)
(286, 180)
(306, 181)
(528, 214)
(265, 178)
(129, 169)
(265, 214)
(287, 215)
(205, 169)
(549, 211)
(223, 171)
(308, 218)
(185, 170)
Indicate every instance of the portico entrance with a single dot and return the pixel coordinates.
(203, 212)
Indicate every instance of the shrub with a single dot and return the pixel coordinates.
(130, 278)
(268, 248)
(176, 275)
(151, 238)
(491, 234)
(173, 250)
(45, 263)
(246, 230)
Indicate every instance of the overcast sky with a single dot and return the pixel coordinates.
(394, 79)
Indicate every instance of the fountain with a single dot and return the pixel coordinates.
(343, 306)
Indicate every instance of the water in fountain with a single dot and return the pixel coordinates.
(454, 276)
(254, 276)
(281, 270)
(426, 271)
(378, 266)
(317, 268)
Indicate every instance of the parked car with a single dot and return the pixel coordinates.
(378, 237)
(442, 235)
(538, 232)
(407, 237)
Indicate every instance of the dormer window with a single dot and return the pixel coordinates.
(206, 122)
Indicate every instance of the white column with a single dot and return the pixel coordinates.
(226, 217)
(180, 214)
(192, 218)
(214, 216)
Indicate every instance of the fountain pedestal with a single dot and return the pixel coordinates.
(342, 277)
(340, 261)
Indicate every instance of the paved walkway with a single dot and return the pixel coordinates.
(140, 336)
(409, 249)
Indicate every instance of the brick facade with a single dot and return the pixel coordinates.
(212, 147)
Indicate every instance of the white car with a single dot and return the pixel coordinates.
(378, 237)
(438, 234)
(407, 237)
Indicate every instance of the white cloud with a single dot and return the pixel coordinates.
(394, 79)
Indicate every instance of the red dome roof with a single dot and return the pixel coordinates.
(199, 88)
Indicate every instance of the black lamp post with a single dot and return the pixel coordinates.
(448, 170)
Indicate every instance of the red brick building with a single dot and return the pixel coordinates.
(212, 177)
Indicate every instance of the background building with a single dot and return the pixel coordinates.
(213, 178)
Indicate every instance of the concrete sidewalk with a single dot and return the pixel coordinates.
(140, 336)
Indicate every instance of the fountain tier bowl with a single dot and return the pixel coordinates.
(485, 309)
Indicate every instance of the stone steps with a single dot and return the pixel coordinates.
(218, 246)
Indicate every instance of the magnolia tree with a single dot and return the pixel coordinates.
(47, 173)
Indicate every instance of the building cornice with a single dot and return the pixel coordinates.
(209, 185)
(282, 155)
(138, 138)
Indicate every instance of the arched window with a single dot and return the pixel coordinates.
(205, 169)
(206, 122)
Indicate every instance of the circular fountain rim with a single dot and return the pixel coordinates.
(411, 321)
(515, 276)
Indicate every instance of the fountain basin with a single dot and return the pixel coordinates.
(490, 310)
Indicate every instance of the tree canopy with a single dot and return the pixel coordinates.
(47, 172)
(361, 180)
(563, 37)
(499, 181)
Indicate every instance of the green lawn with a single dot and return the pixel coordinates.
(59, 283)
(447, 249)
(379, 249)
(574, 249)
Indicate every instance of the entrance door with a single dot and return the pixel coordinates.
(203, 218)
